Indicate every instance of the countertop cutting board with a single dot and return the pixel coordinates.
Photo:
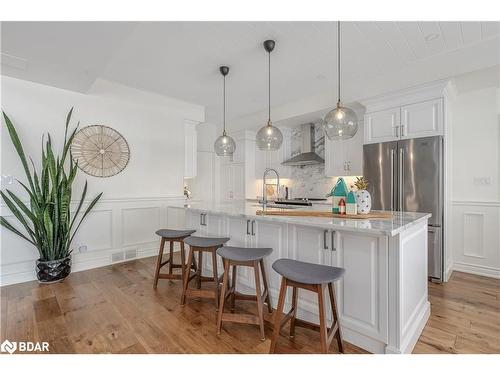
(371, 215)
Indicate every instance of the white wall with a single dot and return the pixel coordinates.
(134, 202)
(475, 149)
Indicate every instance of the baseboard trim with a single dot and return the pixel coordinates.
(26, 270)
(477, 270)
(448, 272)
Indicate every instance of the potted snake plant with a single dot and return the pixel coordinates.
(47, 221)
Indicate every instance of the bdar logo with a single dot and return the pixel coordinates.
(8, 346)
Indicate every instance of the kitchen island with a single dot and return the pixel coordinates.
(382, 298)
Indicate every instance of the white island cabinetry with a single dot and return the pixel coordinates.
(382, 298)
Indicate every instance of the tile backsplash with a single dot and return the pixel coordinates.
(310, 180)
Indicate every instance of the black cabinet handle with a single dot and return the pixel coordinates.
(325, 246)
(248, 228)
(333, 242)
(253, 227)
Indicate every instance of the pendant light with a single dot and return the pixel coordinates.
(224, 145)
(340, 123)
(269, 137)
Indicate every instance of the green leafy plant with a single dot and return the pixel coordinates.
(47, 221)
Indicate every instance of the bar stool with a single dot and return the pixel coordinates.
(202, 245)
(313, 277)
(248, 257)
(172, 236)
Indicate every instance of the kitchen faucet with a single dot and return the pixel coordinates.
(264, 190)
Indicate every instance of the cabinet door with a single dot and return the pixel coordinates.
(238, 230)
(273, 235)
(213, 226)
(227, 183)
(176, 218)
(335, 162)
(190, 149)
(193, 221)
(382, 126)
(362, 293)
(238, 188)
(312, 245)
(354, 153)
(422, 119)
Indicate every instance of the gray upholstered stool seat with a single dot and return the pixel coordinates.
(174, 233)
(205, 241)
(307, 273)
(243, 254)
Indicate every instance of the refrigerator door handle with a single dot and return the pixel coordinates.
(401, 178)
(392, 179)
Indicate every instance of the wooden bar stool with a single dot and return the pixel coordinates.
(313, 277)
(248, 257)
(172, 236)
(203, 245)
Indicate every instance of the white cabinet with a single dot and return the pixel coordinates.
(176, 218)
(232, 181)
(190, 149)
(363, 291)
(272, 235)
(412, 120)
(273, 159)
(422, 119)
(382, 126)
(312, 245)
(203, 186)
(345, 158)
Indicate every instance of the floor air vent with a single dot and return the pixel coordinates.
(130, 254)
(117, 257)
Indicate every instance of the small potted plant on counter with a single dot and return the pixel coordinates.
(47, 220)
(363, 197)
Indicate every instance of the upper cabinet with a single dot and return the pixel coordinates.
(412, 113)
(422, 119)
(344, 158)
(190, 148)
(382, 126)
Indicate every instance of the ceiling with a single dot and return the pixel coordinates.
(181, 59)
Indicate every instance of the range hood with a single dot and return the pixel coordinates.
(307, 155)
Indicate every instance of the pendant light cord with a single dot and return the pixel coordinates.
(224, 106)
(269, 90)
(338, 58)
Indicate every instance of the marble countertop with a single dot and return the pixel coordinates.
(390, 227)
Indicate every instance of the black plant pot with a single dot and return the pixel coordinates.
(51, 271)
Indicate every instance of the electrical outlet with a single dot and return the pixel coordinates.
(82, 248)
(482, 181)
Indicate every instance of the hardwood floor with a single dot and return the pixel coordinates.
(114, 309)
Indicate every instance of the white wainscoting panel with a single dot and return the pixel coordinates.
(115, 225)
(475, 237)
(96, 231)
(139, 225)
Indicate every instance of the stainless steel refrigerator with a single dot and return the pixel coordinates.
(407, 175)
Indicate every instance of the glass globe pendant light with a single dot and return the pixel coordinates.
(340, 123)
(269, 137)
(224, 145)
